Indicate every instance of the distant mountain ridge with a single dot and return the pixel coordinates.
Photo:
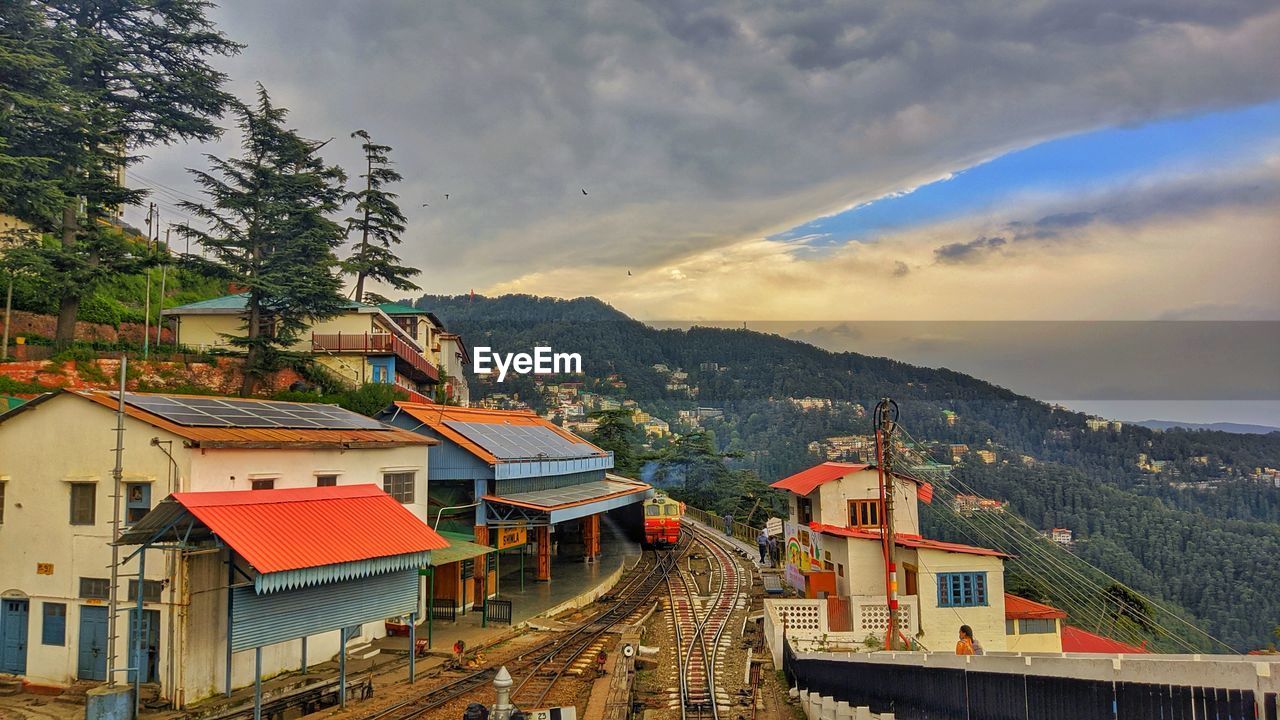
(1175, 514)
(1228, 427)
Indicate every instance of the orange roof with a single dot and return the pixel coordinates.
(1082, 641)
(911, 541)
(277, 530)
(435, 416)
(387, 436)
(1020, 608)
(806, 481)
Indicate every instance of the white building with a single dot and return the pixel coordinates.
(55, 525)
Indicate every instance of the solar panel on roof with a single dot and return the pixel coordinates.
(233, 412)
(520, 442)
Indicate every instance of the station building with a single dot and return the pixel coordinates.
(517, 483)
(833, 546)
(306, 482)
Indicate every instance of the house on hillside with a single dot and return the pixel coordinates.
(447, 350)
(56, 490)
(362, 344)
(1032, 627)
(834, 550)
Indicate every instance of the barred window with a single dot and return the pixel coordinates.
(95, 588)
(399, 485)
(968, 589)
(1037, 626)
(84, 497)
(150, 591)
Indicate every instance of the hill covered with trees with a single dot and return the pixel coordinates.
(1199, 533)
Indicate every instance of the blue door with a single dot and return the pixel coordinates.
(92, 659)
(13, 636)
(146, 655)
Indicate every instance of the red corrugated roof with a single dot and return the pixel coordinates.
(1020, 608)
(1082, 641)
(296, 528)
(806, 481)
(911, 541)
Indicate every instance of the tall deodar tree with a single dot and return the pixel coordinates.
(379, 223)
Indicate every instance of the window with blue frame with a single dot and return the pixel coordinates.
(137, 502)
(967, 589)
(54, 629)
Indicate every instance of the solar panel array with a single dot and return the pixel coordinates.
(521, 442)
(233, 412)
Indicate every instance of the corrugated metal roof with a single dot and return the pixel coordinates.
(806, 481)
(461, 547)
(386, 436)
(236, 303)
(436, 417)
(1075, 640)
(400, 309)
(298, 528)
(1017, 608)
(572, 495)
(910, 541)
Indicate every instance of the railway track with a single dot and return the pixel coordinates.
(699, 633)
(540, 667)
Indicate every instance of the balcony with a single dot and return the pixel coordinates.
(377, 344)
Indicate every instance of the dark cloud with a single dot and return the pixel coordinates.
(696, 123)
(971, 251)
(900, 269)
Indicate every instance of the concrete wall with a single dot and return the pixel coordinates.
(206, 331)
(940, 626)
(1017, 641)
(831, 501)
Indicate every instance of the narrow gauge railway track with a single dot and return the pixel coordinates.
(549, 660)
(698, 635)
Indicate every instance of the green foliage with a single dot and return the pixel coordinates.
(9, 386)
(369, 399)
(270, 231)
(379, 222)
(102, 84)
(615, 432)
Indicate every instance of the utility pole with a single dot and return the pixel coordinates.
(117, 475)
(886, 420)
(164, 273)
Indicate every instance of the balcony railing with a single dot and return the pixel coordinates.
(375, 344)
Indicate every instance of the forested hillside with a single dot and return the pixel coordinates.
(1199, 534)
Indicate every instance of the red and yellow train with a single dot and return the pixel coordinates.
(662, 520)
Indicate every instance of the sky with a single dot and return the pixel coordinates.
(917, 162)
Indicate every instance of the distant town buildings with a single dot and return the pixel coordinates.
(972, 503)
(1062, 536)
(949, 417)
(986, 456)
(1097, 424)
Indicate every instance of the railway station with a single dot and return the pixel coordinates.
(541, 497)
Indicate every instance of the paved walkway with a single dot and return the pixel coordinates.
(751, 550)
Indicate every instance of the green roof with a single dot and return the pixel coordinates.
(461, 547)
(232, 303)
(9, 403)
(400, 309)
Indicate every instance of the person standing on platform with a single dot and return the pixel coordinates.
(762, 541)
(728, 524)
(773, 551)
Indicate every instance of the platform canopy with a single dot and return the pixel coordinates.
(318, 559)
(556, 505)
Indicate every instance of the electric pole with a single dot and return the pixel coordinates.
(886, 419)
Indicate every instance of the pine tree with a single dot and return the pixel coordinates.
(135, 75)
(33, 99)
(379, 222)
(269, 231)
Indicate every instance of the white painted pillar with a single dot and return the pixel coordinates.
(844, 711)
(862, 712)
(828, 708)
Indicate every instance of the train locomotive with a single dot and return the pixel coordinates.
(662, 520)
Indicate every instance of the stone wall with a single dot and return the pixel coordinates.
(223, 377)
(27, 324)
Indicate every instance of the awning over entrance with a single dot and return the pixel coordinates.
(551, 506)
(460, 548)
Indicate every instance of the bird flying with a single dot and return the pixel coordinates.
(584, 191)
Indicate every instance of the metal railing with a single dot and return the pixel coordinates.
(741, 531)
(443, 609)
(497, 611)
(374, 343)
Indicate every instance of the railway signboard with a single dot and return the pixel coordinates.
(512, 535)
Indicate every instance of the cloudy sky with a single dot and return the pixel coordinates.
(925, 161)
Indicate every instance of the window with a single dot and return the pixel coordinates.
(95, 588)
(804, 511)
(137, 502)
(262, 483)
(83, 498)
(840, 569)
(671, 509)
(399, 485)
(150, 591)
(54, 629)
(326, 480)
(1037, 626)
(653, 511)
(864, 513)
(967, 589)
(1008, 627)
